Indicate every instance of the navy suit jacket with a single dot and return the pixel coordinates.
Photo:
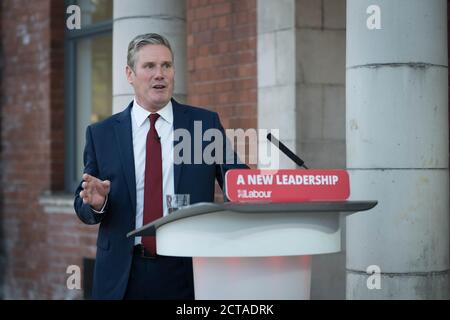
(108, 155)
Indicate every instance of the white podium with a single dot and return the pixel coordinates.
(252, 251)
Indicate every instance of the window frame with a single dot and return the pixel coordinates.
(71, 180)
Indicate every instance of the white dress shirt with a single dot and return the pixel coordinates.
(140, 124)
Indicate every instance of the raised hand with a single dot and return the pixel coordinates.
(94, 191)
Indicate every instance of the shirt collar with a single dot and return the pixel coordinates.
(140, 114)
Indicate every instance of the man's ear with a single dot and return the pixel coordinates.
(130, 74)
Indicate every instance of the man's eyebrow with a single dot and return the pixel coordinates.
(153, 62)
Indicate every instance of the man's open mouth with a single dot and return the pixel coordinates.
(159, 86)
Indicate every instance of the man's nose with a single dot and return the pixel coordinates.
(159, 73)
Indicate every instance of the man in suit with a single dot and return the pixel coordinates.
(130, 168)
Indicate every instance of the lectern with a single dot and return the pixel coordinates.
(252, 250)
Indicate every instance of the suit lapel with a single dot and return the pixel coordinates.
(181, 120)
(124, 138)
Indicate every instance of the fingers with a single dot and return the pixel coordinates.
(85, 196)
(106, 185)
(93, 189)
(88, 178)
(88, 186)
(90, 182)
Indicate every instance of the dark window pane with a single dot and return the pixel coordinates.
(94, 87)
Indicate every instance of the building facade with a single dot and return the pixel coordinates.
(301, 66)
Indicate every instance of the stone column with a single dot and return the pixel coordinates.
(166, 17)
(277, 75)
(397, 148)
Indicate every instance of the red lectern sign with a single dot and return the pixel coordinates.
(287, 185)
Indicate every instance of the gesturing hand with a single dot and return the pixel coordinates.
(94, 191)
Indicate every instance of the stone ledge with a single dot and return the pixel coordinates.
(59, 203)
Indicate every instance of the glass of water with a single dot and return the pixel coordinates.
(177, 201)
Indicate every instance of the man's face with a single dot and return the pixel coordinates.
(153, 78)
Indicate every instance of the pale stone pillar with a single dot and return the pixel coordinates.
(397, 148)
(277, 73)
(133, 17)
(301, 92)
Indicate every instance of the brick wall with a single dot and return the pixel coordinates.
(221, 38)
(221, 56)
(38, 246)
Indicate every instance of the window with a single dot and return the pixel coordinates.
(88, 80)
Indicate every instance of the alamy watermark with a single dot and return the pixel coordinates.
(231, 146)
(73, 21)
(374, 280)
(74, 280)
(373, 22)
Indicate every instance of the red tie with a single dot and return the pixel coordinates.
(153, 206)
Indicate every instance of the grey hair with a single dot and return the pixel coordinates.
(142, 40)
